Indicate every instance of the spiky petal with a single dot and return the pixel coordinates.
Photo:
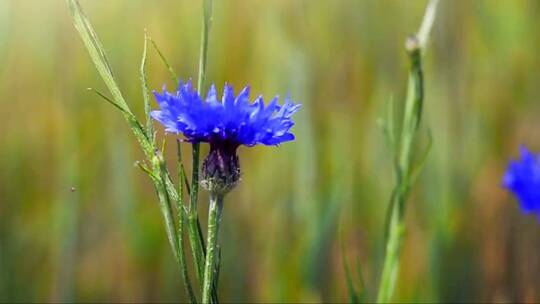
(234, 119)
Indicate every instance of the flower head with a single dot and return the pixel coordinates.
(225, 124)
(522, 178)
(233, 119)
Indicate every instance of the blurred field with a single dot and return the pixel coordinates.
(343, 60)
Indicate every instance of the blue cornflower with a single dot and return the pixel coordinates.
(225, 125)
(522, 178)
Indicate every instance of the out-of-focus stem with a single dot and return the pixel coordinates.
(396, 232)
(396, 229)
(411, 121)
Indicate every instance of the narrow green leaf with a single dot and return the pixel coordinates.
(96, 51)
(146, 170)
(145, 91)
(114, 104)
(174, 76)
(97, 54)
(129, 116)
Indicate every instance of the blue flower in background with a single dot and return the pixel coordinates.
(522, 178)
(225, 124)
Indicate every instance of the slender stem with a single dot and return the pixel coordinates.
(158, 164)
(195, 237)
(167, 194)
(396, 232)
(207, 21)
(195, 178)
(203, 55)
(182, 258)
(196, 242)
(411, 121)
(180, 212)
(396, 225)
(203, 58)
(214, 218)
(170, 227)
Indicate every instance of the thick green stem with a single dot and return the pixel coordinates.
(214, 218)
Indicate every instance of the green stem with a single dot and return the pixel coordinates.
(203, 52)
(182, 257)
(166, 211)
(214, 218)
(395, 224)
(181, 213)
(194, 230)
(396, 232)
(196, 241)
(158, 164)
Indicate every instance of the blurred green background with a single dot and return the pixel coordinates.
(282, 227)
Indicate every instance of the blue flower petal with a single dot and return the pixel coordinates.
(232, 120)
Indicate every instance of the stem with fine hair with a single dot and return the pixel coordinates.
(214, 217)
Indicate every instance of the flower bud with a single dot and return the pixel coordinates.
(221, 168)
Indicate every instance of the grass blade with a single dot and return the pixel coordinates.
(97, 53)
(145, 91)
(174, 76)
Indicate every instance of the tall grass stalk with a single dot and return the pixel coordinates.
(205, 259)
(405, 170)
(169, 195)
(195, 235)
(182, 185)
